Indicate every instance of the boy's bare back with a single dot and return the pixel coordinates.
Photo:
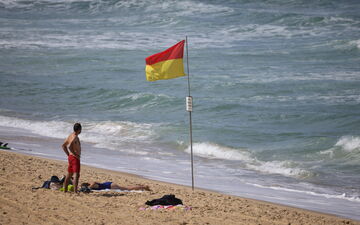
(73, 144)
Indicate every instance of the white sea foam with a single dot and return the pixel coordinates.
(328, 99)
(355, 43)
(112, 135)
(214, 151)
(349, 143)
(210, 150)
(84, 39)
(269, 78)
(181, 8)
(329, 152)
(343, 45)
(184, 8)
(340, 19)
(132, 40)
(346, 148)
(126, 131)
(279, 167)
(329, 196)
(90, 39)
(55, 129)
(232, 33)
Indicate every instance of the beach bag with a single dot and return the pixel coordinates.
(54, 179)
(47, 183)
(165, 200)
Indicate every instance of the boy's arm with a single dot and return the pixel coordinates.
(64, 146)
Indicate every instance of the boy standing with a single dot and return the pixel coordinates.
(72, 148)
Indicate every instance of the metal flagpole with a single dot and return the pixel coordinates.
(189, 109)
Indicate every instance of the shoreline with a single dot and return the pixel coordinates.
(31, 144)
(21, 204)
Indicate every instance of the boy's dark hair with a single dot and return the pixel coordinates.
(77, 127)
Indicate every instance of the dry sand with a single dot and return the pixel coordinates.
(20, 204)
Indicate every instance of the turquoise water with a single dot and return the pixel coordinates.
(275, 86)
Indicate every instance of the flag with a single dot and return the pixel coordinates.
(167, 64)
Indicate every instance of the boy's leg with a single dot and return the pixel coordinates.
(77, 176)
(67, 179)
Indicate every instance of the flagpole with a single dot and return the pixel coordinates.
(189, 109)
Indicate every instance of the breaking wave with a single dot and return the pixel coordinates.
(107, 134)
(328, 196)
(346, 148)
(214, 151)
(349, 143)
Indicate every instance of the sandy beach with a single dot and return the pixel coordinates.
(20, 204)
(273, 137)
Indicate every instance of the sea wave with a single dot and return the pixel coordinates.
(186, 8)
(328, 196)
(165, 15)
(286, 168)
(355, 43)
(259, 31)
(346, 150)
(349, 143)
(94, 6)
(135, 102)
(109, 134)
(305, 99)
(55, 129)
(81, 39)
(162, 14)
(214, 151)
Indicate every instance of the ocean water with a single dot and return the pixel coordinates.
(275, 86)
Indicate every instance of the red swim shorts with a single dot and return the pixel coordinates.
(74, 164)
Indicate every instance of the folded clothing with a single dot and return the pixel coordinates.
(165, 200)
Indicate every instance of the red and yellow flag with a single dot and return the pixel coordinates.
(167, 64)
